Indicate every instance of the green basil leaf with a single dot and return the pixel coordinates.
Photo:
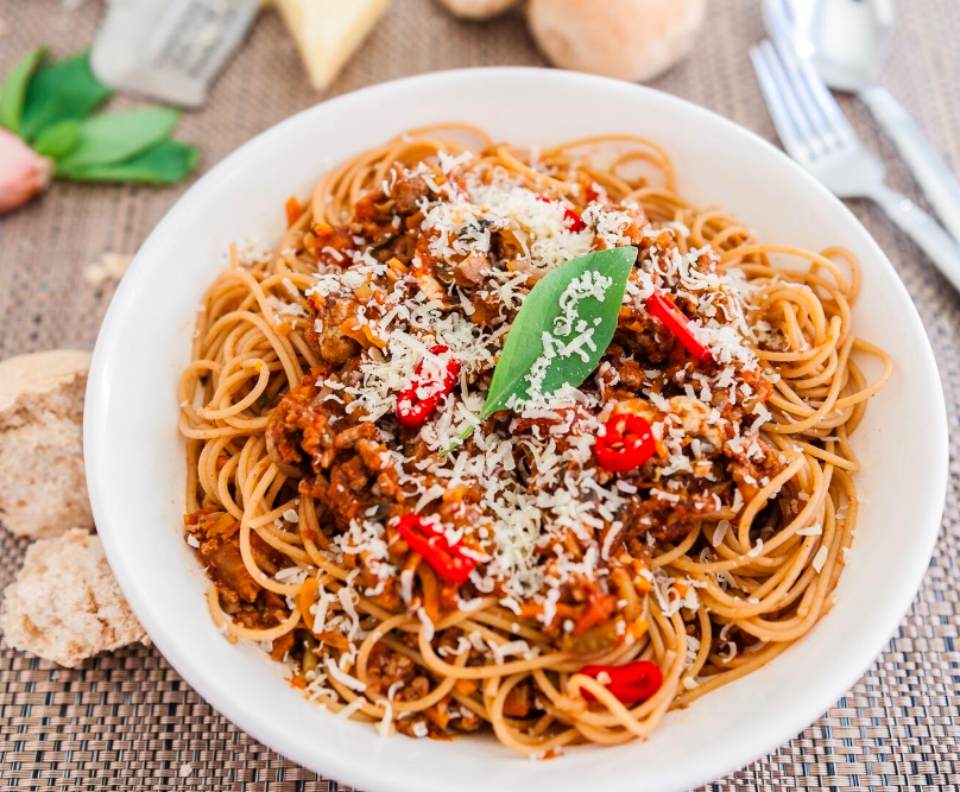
(58, 140)
(14, 89)
(63, 91)
(166, 163)
(117, 137)
(576, 305)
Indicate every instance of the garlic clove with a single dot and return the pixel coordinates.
(23, 172)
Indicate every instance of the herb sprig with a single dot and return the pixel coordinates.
(561, 332)
(51, 107)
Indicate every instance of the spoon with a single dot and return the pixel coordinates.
(846, 41)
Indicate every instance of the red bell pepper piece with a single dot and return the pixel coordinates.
(413, 407)
(571, 220)
(427, 538)
(626, 443)
(660, 306)
(630, 683)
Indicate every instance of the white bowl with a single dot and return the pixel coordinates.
(135, 465)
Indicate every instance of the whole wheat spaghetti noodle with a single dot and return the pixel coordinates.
(526, 579)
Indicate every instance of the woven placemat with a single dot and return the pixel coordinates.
(127, 720)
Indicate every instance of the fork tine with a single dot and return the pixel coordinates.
(791, 91)
(813, 94)
(777, 93)
(778, 17)
(816, 99)
(821, 136)
(795, 18)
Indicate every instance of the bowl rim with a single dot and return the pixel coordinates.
(850, 665)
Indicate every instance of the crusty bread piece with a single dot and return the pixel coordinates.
(43, 490)
(66, 605)
(628, 39)
(478, 9)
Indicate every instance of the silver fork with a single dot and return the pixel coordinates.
(818, 136)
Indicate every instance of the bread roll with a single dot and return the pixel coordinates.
(65, 604)
(628, 39)
(477, 9)
(43, 490)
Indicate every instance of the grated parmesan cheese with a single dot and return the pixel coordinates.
(820, 559)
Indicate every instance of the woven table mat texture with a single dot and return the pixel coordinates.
(128, 721)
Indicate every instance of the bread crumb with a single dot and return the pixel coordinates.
(186, 769)
(111, 266)
(65, 604)
(43, 489)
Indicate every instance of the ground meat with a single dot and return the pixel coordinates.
(631, 375)
(666, 521)
(342, 455)
(563, 426)
(379, 207)
(487, 308)
(377, 214)
(267, 611)
(344, 495)
(402, 248)
(228, 570)
(644, 336)
(323, 331)
(282, 646)
(250, 605)
(409, 192)
(742, 409)
(469, 722)
(386, 667)
(267, 558)
(298, 432)
(749, 473)
(350, 438)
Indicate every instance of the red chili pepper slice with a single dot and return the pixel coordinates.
(428, 539)
(571, 220)
(660, 306)
(626, 443)
(414, 407)
(630, 683)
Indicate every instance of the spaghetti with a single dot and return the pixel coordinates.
(512, 580)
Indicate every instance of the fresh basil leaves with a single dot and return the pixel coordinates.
(116, 137)
(58, 140)
(165, 163)
(13, 92)
(562, 330)
(63, 91)
(52, 108)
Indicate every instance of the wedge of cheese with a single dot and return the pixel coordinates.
(328, 32)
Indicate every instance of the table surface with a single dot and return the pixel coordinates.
(128, 720)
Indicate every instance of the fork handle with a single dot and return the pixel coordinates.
(942, 249)
(932, 174)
